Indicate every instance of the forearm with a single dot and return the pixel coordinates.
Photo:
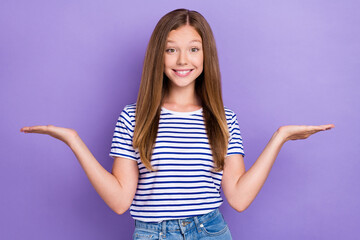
(105, 183)
(249, 184)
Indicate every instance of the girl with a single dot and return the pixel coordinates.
(171, 160)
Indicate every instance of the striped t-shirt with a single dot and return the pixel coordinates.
(184, 184)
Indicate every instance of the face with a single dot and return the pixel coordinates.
(183, 57)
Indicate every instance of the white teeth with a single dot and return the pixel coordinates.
(183, 72)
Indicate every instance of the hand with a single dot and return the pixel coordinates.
(295, 132)
(63, 134)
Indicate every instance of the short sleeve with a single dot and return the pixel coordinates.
(121, 145)
(235, 140)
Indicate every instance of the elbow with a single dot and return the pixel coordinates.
(121, 205)
(239, 207)
(120, 211)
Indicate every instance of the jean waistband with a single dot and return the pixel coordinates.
(174, 225)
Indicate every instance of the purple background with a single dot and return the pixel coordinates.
(78, 63)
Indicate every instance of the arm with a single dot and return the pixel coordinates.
(116, 189)
(240, 186)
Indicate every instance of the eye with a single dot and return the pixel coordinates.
(170, 50)
(194, 49)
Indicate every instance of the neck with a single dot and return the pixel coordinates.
(181, 98)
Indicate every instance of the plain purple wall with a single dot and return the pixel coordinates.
(78, 63)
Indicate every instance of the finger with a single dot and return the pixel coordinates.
(25, 129)
(329, 126)
(326, 127)
(315, 129)
(322, 127)
(35, 129)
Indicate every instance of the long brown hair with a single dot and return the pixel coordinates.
(154, 85)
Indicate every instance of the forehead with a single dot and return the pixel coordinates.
(184, 34)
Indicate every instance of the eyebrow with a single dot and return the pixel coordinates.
(170, 41)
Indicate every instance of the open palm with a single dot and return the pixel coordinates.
(295, 132)
(63, 134)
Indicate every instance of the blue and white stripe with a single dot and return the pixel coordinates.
(183, 185)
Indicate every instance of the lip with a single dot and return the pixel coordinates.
(182, 69)
(182, 75)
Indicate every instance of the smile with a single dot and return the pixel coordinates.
(182, 73)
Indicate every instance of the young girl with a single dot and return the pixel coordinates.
(183, 145)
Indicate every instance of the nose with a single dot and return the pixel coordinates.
(182, 58)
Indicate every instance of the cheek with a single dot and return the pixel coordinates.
(168, 61)
(200, 62)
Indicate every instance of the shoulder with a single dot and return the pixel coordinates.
(229, 114)
(127, 115)
(129, 110)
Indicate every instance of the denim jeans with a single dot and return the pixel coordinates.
(208, 226)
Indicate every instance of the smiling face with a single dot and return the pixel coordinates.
(183, 57)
